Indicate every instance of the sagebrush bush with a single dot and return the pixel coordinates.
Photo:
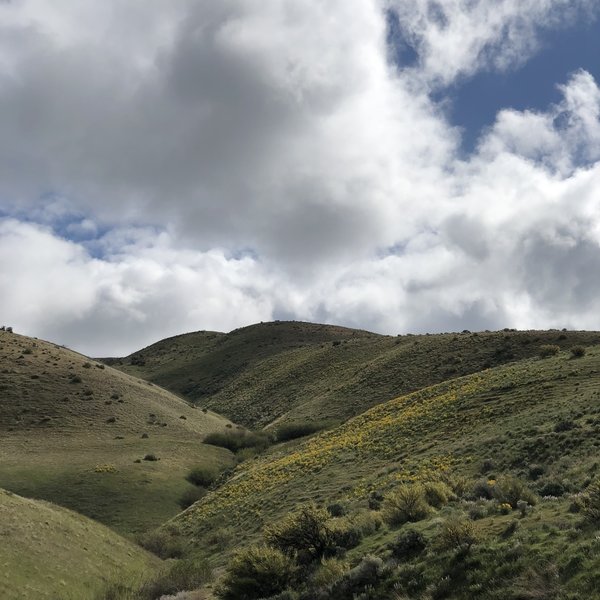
(577, 351)
(407, 545)
(202, 475)
(329, 571)
(306, 531)
(548, 350)
(405, 503)
(257, 572)
(162, 543)
(179, 576)
(437, 494)
(365, 575)
(456, 533)
(591, 503)
(509, 490)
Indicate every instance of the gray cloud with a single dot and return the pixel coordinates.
(223, 163)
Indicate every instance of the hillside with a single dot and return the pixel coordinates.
(538, 419)
(286, 371)
(48, 552)
(75, 432)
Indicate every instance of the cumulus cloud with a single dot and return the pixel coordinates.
(200, 165)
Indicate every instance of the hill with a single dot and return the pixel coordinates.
(49, 552)
(537, 420)
(76, 432)
(271, 373)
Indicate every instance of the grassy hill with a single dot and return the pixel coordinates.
(538, 420)
(76, 432)
(48, 552)
(271, 373)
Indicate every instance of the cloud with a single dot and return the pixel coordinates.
(202, 165)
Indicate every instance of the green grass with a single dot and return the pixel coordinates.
(508, 414)
(271, 373)
(48, 552)
(77, 444)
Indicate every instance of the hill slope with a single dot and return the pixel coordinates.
(287, 371)
(43, 543)
(71, 430)
(537, 413)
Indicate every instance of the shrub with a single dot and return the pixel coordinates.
(437, 494)
(202, 475)
(162, 543)
(591, 503)
(257, 572)
(540, 583)
(367, 573)
(406, 503)
(509, 490)
(305, 531)
(151, 457)
(235, 440)
(330, 570)
(190, 496)
(456, 534)
(407, 545)
(483, 489)
(548, 350)
(179, 576)
(577, 351)
(345, 533)
(552, 488)
(298, 429)
(337, 509)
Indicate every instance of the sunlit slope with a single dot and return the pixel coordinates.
(48, 552)
(287, 371)
(72, 429)
(514, 414)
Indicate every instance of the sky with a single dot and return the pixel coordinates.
(402, 166)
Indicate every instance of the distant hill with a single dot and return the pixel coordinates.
(288, 371)
(48, 552)
(72, 430)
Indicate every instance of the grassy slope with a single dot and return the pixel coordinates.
(507, 413)
(49, 552)
(287, 371)
(75, 443)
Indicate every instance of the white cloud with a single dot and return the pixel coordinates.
(231, 162)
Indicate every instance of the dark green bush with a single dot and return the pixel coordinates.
(190, 496)
(364, 576)
(202, 475)
(257, 572)
(407, 545)
(577, 351)
(298, 429)
(305, 531)
(151, 457)
(238, 439)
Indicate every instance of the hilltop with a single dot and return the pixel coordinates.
(76, 432)
(270, 373)
(49, 552)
